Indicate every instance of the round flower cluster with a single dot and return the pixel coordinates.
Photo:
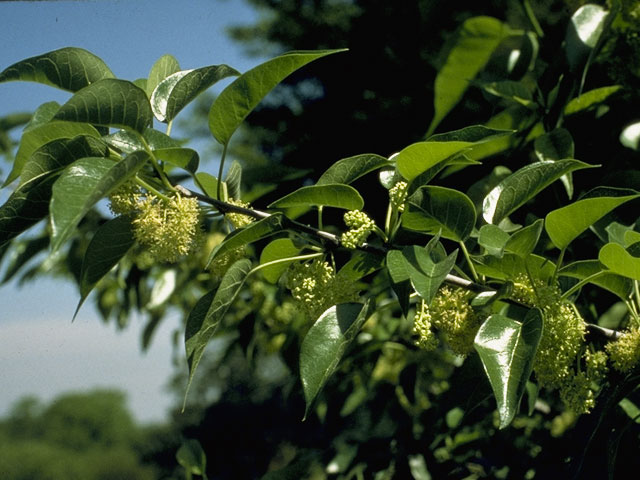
(398, 195)
(238, 220)
(427, 339)
(360, 226)
(169, 229)
(625, 352)
(315, 287)
(578, 392)
(125, 199)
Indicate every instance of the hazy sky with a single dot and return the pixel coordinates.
(41, 351)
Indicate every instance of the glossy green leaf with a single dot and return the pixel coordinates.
(419, 157)
(400, 280)
(68, 68)
(205, 318)
(108, 246)
(184, 158)
(81, 185)
(57, 154)
(279, 249)
(175, 92)
(493, 239)
(425, 177)
(129, 141)
(507, 349)
(473, 45)
(41, 135)
(238, 99)
(511, 265)
(110, 103)
(330, 195)
(510, 90)
(617, 259)
(209, 185)
(473, 134)
(326, 342)
(251, 233)
(43, 114)
(584, 31)
(590, 99)
(565, 224)
(554, 145)
(360, 265)
(524, 241)
(614, 283)
(432, 209)
(524, 184)
(163, 67)
(350, 169)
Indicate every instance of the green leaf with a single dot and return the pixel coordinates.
(472, 134)
(175, 92)
(330, 195)
(238, 99)
(326, 342)
(567, 223)
(205, 318)
(67, 68)
(524, 241)
(507, 349)
(360, 265)
(617, 259)
(184, 158)
(474, 43)
(278, 249)
(425, 268)
(524, 184)
(192, 458)
(251, 233)
(108, 246)
(511, 265)
(432, 209)
(590, 99)
(510, 90)
(614, 283)
(209, 185)
(400, 279)
(41, 135)
(493, 239)
(584, 31)
(421, 156)
(110, 103)
(233, 180)
(81, 185)
(554, 145)
(166, 65)
(43, 114)
(350, 169)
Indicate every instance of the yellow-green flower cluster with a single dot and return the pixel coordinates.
(125, 199)
(427, 339)
(238, 220)
(452, 314)
(579, 391)
(398, 195)
(169, 229)
(360, 226)
(315, 287)
(625, 352)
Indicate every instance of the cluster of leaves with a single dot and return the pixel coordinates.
(329, 298)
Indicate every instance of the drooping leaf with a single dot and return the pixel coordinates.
(251, 233)
(81, 185)
(279, 249)
(329, 195)
(565, 224)
(507, 349)
(419, 157)
(238, 99)
(163, 67)
(326, 342)
(184, 158)
(425, 268)
(175, 92)
(350, 169)
(614, 283)
(205, 318)
(108, 246)
(39, 136)
(522, 185)
(617, 259)
(68, 68)
(432, 209)
(493, 239)
(473, 134)
(524, 241)
(590, 99)
(111, 103)
(474, 43)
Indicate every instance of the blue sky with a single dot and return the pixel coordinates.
(41, 351)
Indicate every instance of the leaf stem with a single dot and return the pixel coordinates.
(467, 257)
(150, 188)
(554, 278)
(580, 284)
(169, 125)
(221, 169)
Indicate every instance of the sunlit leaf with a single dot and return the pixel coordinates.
(614, 283)
(233, 180)
(584, 31)
(590, 99)
(350, 169)
(175, 92)
(163, 67)
(279, 249)
(524, 241)
(68, 68)
(185, 158)
(330, 195)
(524, 184)
(110, 103)
(43, 114)
(507, 349)
(510, 90)
(511, 265)
(493, 239)
(617, 259)
(474, 134)
(419, 157)
(81, 185)
(237, 100)
(326, 342)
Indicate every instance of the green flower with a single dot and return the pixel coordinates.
(427, 339)
(238, 220)
(360, 226)
(398, 195)
(625, 352)
(125, 200)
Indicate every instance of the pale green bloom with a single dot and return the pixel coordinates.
(398, 195)
(360, 226)
(625, 352)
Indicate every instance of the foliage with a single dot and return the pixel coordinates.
(496, 240)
